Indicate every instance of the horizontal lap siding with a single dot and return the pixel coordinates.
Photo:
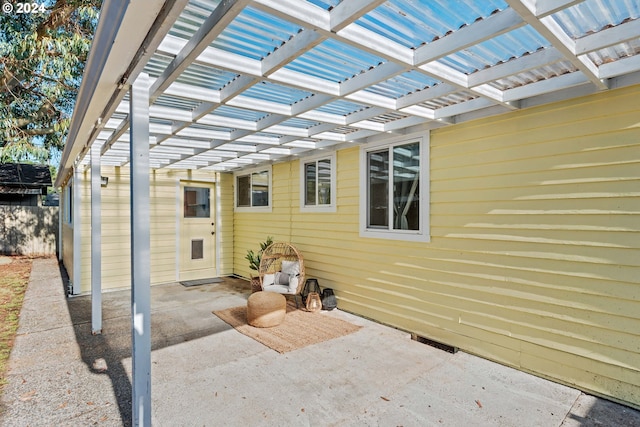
(534, 259)
(116, 229)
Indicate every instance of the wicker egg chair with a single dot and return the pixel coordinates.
(282, 270)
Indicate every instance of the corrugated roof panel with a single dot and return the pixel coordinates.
(411, 23)
(344, 130)
(206, 77)
(267, 91)
(594, 15)
(239, 113)
(531, 76)
(255, 34)
(451, 99)
(502, 48)
(298, 123)
(334, 61)
(403, 84)
(192, 17)
(613, 53)
(175, 102)
(157, 64)
(388, 117)
(342, 108)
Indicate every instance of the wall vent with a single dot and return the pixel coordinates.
(436, 344)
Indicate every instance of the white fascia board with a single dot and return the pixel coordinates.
(515, 66)
(492, 26)
(306, 82)
(609, 37)
(121, 30)
(545, 86)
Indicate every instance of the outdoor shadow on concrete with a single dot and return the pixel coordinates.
(171, 324)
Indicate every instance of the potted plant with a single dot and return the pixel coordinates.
(254, 262)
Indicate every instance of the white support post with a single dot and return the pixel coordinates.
(140, 252)
(96, 241)
(76, 204)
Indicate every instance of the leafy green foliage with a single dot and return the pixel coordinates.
(255, 257)
(42, 57)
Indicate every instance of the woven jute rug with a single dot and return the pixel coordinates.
(299, 329)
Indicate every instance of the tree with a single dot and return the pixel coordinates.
(42, 57)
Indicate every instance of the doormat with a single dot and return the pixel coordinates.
(198, 282)
(299, 329)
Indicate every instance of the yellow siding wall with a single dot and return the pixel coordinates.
(116, 231)
(534, 259)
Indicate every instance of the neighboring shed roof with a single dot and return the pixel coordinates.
(239, 83)
(22, 178)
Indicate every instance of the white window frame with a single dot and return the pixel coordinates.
(249, 172)
(68, 203)
(423, 233)
(331, 207)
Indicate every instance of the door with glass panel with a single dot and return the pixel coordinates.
(197, 231)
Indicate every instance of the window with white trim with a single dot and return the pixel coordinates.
(395, 190)
(253, 189)
(68, 204)
(318, 183)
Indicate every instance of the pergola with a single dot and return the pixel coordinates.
(223, 85)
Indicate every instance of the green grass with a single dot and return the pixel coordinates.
(14, 278)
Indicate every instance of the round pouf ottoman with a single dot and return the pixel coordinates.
(266, 309)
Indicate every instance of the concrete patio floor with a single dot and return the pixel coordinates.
(204, 373)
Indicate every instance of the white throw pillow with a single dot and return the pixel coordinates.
(292, 268)
(268, 280)
(281, 278)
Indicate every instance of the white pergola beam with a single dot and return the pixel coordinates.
(223, 14)
(96, 240)
(140, 253)
(550, 30)
(609, 37)
(470, 35)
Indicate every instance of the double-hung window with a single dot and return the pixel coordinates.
(253, 189)
(395, 190)
(317, 184)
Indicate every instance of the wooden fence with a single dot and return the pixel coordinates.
(28, 230)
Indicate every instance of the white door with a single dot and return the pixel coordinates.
(197, 231)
